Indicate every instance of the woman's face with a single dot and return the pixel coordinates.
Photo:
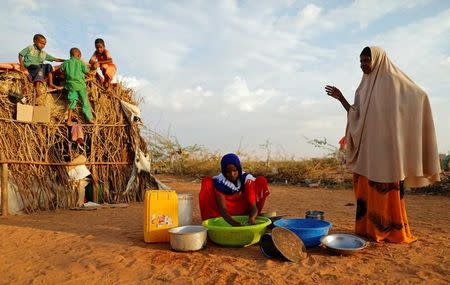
(231, 173)
(365, 63)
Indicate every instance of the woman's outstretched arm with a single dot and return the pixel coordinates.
(337, 94)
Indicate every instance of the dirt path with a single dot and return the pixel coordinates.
(106, 247)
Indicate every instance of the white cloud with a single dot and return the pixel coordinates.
(308, 15)
(132, 81)
(178, 100)
(189, 99)
(238, 94)
(446, 61)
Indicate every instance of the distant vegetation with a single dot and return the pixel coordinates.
(195, 161)
(170, 157)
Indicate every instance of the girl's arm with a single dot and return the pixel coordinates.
(337, 94)
(253, 214)
(223, 210)
(105, 61)
(251, 200)
(21, 60)
(93, 59)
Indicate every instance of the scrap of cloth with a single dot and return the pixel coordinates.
(390, 131)
(77, 132)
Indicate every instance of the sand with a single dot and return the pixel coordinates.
(106, 246)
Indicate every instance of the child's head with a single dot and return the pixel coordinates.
(39, 41)
(75, 52)
(231, 172)
(100, 45)
(231, 167)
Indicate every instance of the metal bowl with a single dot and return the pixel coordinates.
(318, 215)
(188, 238)
(343, 244)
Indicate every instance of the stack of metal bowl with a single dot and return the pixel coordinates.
(343, 244)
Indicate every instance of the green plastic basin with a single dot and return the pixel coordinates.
(220, 232)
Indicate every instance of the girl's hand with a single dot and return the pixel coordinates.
(252, 220)
(334, 92)
(235, 224)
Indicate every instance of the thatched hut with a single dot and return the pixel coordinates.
(40, 156)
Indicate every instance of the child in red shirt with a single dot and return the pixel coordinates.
(232, 192)
(102, 58)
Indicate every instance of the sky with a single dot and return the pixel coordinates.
(233, 75)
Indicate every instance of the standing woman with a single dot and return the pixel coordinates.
(391, 144)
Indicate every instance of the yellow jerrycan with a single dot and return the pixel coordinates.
(160, 214)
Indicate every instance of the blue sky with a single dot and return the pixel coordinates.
(225, 74)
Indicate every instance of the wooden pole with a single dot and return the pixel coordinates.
(94, 170)
(4, 186)
(64, 163)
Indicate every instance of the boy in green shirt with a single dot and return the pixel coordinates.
(75, 70)
(32, 59)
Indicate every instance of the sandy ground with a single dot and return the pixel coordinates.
(106, 246)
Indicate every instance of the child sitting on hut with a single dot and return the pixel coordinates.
(232, 192)
(75, 70)
(102, 58)
(32, 59)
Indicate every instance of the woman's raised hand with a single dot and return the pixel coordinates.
(334, 92)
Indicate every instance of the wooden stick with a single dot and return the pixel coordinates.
(94, 171)
(63, 125)
(4, 161)
(4, 186)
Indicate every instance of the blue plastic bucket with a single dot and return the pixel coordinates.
(309, 230)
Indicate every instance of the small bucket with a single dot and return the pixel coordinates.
(184, 209)
(268, 248)
(317, 215)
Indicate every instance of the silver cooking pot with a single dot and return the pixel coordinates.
(188, 238)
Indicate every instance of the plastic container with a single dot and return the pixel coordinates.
(268, 248)
(184, 209)
(309, 230)
(160, 215)
(222, 233)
